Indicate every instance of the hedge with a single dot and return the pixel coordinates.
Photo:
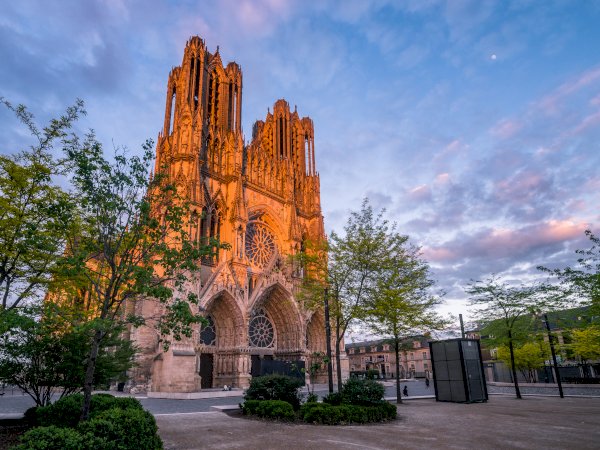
(327, 414)
(116, 423)
(275, 387)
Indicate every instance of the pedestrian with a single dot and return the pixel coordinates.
(405, 391)
(426, 382)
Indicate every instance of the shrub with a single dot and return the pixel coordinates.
(312, 398)
(249, 406)
(124, 429)
(57, 438)
(62, 413)
(275, 387)
(275, 409)
(335, 398)
(362, 392)
(327, 414)
(31, 416)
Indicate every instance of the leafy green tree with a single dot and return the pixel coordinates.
(582, 281)
(501, 306)
(43, 353)
(402, 302)
(527, 358)
(348, 266)
(133, 243)
(586, 343)
(34, 211)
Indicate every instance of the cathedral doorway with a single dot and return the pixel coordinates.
(206, 370)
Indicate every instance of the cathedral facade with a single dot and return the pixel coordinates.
(264, 200)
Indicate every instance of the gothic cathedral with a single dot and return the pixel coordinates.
(264, 200)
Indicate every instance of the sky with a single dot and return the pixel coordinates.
(475, 124)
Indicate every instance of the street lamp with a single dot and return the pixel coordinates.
(328, 339)
(551, 341)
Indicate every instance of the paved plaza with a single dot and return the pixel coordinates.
(501, 423)
(538, 421)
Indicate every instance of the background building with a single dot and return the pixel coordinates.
(379, 358)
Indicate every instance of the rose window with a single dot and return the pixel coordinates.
(260, 331)
(260, 245)
(208, 335)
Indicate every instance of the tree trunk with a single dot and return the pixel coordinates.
(398, 391)
(338, 365)
(88, 385)
(512, 363)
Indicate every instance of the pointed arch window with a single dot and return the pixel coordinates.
(171, 114)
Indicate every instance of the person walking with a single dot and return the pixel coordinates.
(426, 382)
(405, 391)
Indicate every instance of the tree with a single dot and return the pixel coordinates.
(586, 343)
(527, 358)
(582, 282)
(133, 243)
(347, 265)
(43, 353)
(501, 306)
(34, 212)
(402, 303)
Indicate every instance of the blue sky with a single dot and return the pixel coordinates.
(476, 124)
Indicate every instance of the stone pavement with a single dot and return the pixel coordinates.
(501, 423)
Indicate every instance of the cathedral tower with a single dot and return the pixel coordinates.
(264, 200)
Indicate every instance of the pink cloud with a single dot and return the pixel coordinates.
(498, 243)
(549, 103)
(439, 254)
(506, 128)
(519, 187)
(420, 193)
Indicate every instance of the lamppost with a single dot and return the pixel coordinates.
(551, 341)
(328, 339)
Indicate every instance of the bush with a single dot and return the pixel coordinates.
(124, 429)
(249, 407)
(275, 387)
(312, 397)
(57, 438)
(362, 392)
(327, 414)
(62, 413)
(335, 398)
(275, 409)
(31, 416)
(115, 423)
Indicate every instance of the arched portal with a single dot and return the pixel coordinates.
(275, 328)
(220, 350)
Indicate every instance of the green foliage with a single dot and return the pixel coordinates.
(47, 356)
(275, 387)
(327, 414)
(124, 429)
(582, 281)
(36, 213)
(275, 409)
(312, 397)
(66, 411)
(503, 307)
(56, 438)
(115, 423)
(249, 407)
(62, 413)
(335, 398)
(362, 392)
(528, 357)
(586, 343)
